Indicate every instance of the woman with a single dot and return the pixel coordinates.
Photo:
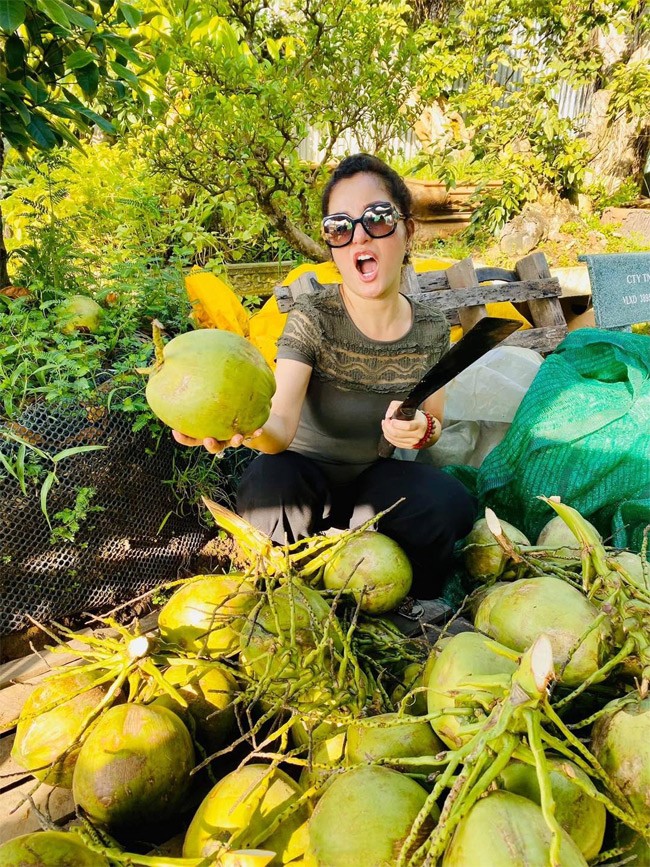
(346, 359)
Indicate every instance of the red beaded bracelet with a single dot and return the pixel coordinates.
(431, 426)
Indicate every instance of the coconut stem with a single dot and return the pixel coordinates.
(546, 795)
(158, 345)
(599, 675)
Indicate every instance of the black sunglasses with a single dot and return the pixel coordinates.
(379, 221)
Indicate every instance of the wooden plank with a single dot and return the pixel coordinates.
(453, 299)
(429, 281)
(546, 312)
(16, 820)
(409, 283)
(10, 772)
(461, 276)
(543, 340)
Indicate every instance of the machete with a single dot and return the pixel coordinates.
(485, 335)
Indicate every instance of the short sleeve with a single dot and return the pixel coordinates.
(301, 337)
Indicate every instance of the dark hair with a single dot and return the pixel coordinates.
(366, 163)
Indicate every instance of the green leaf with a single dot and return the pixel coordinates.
(79, 58)
(59, 109)
(36, 90)
(20, 467)
(7, 466)
(75, 450)
(78, 18)
(12, 14)
(67, 135)
(55, 12)
(132, 16)
(163, 62)
(45, 490)
(14, 131)
(124, 73)
(14, 52)
(101, 122)
(88, 78)
(123, 47)
(15, 102)
(42, 133)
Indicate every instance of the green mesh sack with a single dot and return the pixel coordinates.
(581, 432)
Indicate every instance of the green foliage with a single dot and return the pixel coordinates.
(601, 198)
(56, 56)
(246, 85)
(510, 59)
(630, 86)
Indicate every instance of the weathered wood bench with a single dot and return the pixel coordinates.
(463, 291)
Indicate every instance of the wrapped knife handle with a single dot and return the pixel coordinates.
(407, 413)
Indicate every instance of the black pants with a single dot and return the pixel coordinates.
(288, 496)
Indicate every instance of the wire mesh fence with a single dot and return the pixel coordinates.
(63, 552)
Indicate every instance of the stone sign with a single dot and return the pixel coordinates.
(620, 287)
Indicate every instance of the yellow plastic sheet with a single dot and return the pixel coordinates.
(214, 304)
(264, 328)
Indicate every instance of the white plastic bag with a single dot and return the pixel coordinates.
(480, 405)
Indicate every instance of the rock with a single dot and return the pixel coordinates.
(634, 221)
(523, 233)
(596, 242)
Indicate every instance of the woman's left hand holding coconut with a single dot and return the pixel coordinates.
(213, 445)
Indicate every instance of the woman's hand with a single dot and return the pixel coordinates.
(401, 433)
(212, 445)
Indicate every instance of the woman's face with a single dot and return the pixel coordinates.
(370, 267)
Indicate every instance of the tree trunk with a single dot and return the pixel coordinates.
(619, 144)
(299, 240)
(4, 274)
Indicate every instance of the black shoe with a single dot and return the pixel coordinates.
(413, 615)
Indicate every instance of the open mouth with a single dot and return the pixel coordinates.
(366, 265)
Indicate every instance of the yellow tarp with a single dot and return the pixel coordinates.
(214, 304)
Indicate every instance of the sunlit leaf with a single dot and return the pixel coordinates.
(12, 14)
(55, 11)
(79, 58)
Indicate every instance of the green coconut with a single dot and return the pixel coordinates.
(506, 830)
(484, 559)
(581, 816)
(206, 615)
(466, 657)
(364, 817)
(382, 738)
(621, 742)
(516, 614)
(557, 536)
(133, 771)
(375, 568)
(211, 383)
(44, 738)
(326, 755)
(241, 806)
(209, 691)
(298, 613)
(79, 313)
(634, 566)
(49, 849)
(409, 693)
